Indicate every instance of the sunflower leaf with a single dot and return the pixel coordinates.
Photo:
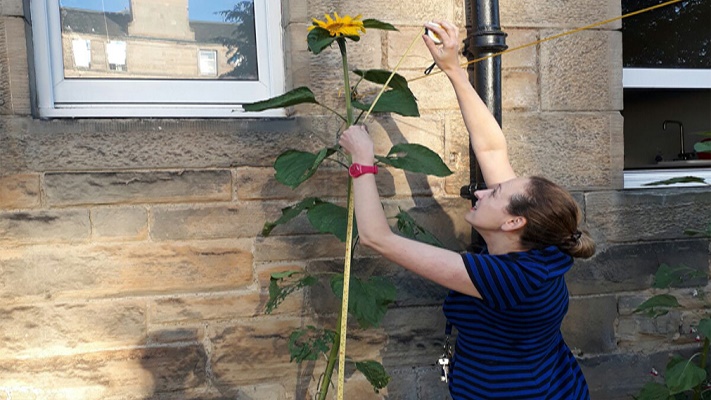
(415, 158)
(279, 290)
(367, 300)
(330, 218)
(289, 213)
(371, 23)
(374, 373)
(297, 96)
(396, 101)
(380, 76)
(318, 39)
(293, 167)
(409, 228)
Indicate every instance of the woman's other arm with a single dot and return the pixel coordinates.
(488, 141)
(441, 266)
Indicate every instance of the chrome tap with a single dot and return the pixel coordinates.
(682, 154)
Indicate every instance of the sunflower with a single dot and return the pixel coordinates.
(338, 26)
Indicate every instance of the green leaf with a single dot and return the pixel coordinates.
(330, 218)
(293, 167)
(395, 101)
(310, 343)
(278, 293)
(702, 147)
(683, 375)
(375, 373)
(705, 328)
(409, 228)
(654, 391)
(415, 158)
(371, 23)
(367, 300)
(289, 213)
(297, 96)
(667, 276)
(672, 181)
(380, 76)
(658, 305)
(696, 232)
(318, 39)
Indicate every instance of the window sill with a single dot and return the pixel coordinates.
(637, 179)
(156, 111)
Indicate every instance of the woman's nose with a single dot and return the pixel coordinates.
(480, 193)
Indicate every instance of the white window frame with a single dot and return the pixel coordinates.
(213, 54)
(59, 97)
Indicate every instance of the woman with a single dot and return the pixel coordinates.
(508, 303)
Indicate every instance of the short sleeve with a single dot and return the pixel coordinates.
(502, 281)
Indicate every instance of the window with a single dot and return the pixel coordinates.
(667, 90)
(137, 58)
(207, 62)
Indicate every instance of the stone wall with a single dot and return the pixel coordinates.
(131, 264)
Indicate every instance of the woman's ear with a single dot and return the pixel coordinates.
(513, 224)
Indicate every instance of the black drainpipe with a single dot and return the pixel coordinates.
(484, 37)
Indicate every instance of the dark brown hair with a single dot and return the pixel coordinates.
(552, 217)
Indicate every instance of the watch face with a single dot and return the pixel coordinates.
(355, 170)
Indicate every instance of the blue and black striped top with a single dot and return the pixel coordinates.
(509, 344)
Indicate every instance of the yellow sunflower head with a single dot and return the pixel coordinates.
(338, 26)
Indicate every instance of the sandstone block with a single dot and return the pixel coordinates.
(106, 270)
(137, 187)
(630, 267)
(119, 223)
(16, 85)
(582, 72)
(414, 335)
(101, 144)
(433, 92)
(589, 325)
(216, 307)
(519, 90)
(11, 8)
(646, 215)
(289, 248)
(163, 335)
(418, 58)
(241, 220)
(525, 58)
(563, 146)
(521, 13)
(135, 373)
(19, 191)
(53, 329)
(619, 376)
(456, 153)
(237, 347)
(35, 226)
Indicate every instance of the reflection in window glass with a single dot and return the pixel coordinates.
(146, 39)
(675, 36)
(207, 61)
(81, 49)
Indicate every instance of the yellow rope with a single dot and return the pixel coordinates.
(595, 25)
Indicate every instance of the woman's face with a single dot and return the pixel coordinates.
(490, 213)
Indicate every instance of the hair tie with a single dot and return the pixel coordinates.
(576, 235)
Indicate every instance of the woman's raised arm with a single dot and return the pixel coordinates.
(488, 141)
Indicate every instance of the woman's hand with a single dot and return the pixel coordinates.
(446, 55)
(358, 143)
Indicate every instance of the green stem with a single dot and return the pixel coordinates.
(702, 365)
(335, 347)
(332, 358)
(346, 81)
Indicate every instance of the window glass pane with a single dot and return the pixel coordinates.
(675, 36)
(148, 39)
